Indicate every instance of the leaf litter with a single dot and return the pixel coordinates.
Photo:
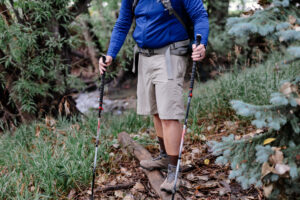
(202, 178)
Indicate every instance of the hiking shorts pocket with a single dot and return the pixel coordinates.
(155, 93)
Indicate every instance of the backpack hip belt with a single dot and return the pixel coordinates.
(177, 48)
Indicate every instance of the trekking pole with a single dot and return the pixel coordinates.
(101, 90)
(198, 40)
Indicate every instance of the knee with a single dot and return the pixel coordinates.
(168, 123)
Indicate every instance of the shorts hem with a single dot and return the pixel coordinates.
(171, 117)
(146, 113)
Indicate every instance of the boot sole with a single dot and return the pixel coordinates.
(164, 190)
(154, 168)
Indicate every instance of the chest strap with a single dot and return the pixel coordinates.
(178, 48)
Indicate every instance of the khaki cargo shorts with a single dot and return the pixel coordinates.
(155, 93)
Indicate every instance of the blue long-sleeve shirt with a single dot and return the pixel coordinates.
(155, 28)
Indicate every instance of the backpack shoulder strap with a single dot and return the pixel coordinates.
(167, 4)
(134, 4)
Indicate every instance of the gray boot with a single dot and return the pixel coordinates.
(168, 184)
(161, 162)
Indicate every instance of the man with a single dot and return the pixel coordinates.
(162, 43)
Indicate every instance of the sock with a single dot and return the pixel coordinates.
(173, 160)
(162, 146)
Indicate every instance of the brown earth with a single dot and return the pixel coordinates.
(202, 179)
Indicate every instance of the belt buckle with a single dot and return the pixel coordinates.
(150, 52)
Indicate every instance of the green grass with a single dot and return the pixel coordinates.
(252, 85)
(49, 166)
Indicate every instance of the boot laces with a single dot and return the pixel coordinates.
(171, 174)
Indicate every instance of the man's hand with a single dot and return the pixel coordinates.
(103, 65)
(198, 52)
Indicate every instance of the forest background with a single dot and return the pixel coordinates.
(49, 53)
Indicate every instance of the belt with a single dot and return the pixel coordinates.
(178, 48)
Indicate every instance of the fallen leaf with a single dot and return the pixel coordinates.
(276, 158)
(37, 131)
(231, 125)
(226, 185)
(209, 184)
(206, 161)
(116, 145)
(67, 107)
(198, 194)
(202, 178)
(195, 151)
(101, 179)
(50, 122)
(139, 187)
(268, 190)
(22, 189)
(75, 126)
(286, 88)
(190, 177)
(187, 184)
(292, 19)
(222, 191)
(119, 193)
(281, 169)
(32, 188)
(64, 133)
(111, 154)
(114, 182)
(210, 128)
(259, 131)
(269, 140)
(247, 198)
(129, 197)
(266, 169)
(125, 172)
(72, 194)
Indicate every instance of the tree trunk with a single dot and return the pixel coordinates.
(5, 14)
(90, 44)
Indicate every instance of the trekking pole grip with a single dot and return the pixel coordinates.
(198, 40)
(102, 88)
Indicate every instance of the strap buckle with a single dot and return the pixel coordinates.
(148, 52)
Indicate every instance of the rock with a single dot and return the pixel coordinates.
(129, 197)
(139, 187)
(87, 101)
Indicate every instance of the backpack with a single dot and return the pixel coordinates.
(168, 6)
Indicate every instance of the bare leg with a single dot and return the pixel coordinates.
(158, 126)
(172, 130)
(159, 133)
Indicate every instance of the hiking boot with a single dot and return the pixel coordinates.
(161, 162)
(168, 184)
